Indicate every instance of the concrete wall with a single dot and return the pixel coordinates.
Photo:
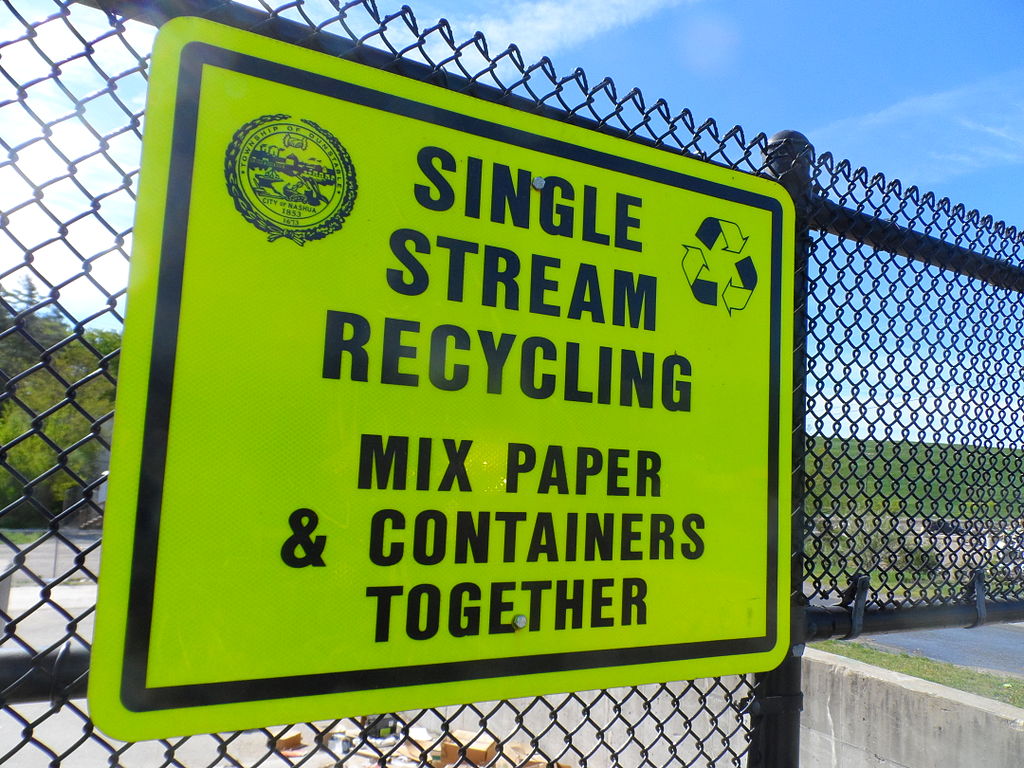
(855, 716)
(676, 724)
(860, 716)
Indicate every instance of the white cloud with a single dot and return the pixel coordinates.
(930, 139)
(44, 209)
(710, 45)
(941, 394)
(544, 27)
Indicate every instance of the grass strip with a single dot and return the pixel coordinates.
(19, 537)
(1006, 689)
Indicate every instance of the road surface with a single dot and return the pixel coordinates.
(993, 647)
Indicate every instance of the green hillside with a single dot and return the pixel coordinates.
(927, 480)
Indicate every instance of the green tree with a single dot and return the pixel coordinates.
(55, 407)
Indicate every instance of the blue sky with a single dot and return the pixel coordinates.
(931, 93)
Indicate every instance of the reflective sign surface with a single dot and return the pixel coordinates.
(426, 400)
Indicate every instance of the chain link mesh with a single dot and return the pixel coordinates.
(915, 425)
(913, 387)
(71, 114)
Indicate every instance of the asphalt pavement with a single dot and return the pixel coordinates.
(55, 558)
(998, 648)
(994, 647)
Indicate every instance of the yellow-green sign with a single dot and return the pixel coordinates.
(427, 400)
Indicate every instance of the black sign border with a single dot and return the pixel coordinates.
(135, 694)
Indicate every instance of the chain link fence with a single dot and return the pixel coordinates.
(914, 422)
(913, 383)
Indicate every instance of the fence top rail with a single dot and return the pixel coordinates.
(882, 235)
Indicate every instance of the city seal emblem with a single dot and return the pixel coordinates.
(290, 178)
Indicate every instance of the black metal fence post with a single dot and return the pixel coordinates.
(778, 695)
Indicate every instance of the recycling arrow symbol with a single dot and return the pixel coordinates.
(722, 239)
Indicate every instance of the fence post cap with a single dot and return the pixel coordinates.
(787, 159)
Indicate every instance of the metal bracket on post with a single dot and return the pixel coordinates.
(856, 597)
(788, 159)
(978, 590)
(777, 705)
(58, 685)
